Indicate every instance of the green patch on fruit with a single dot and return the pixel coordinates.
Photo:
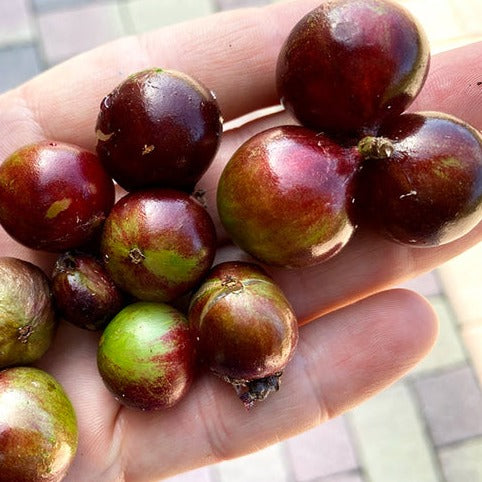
(57, 207)
(171, 265)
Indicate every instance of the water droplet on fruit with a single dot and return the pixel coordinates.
(106, 102)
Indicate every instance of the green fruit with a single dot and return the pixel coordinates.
(27, 319)
(146, 356)
(38, 427)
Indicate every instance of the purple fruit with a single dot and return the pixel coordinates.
(158, 128)
(245, 328)
(54, 196)
(38, 427)
(350, 64)
(285, 194)
(84, 293)
(158, 244)
(421, 181)
(146, 356)
(27, 319)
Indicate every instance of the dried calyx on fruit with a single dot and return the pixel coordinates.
(245, 329)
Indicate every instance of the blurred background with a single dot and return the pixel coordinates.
(425, 428)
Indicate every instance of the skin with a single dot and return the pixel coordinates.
(370, 334)
(38, 426)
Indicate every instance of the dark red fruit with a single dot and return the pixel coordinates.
(158, 128)
(421, 182)
(84, 293)
(350, 64)
(158, 244)
(284, 196)
(54, 196)
(27, 318)
(146, 356)
(245, 328)
(38, 427)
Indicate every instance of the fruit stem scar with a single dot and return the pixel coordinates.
(232, 284)
(24, 333)
(371, 147)
(136, 256)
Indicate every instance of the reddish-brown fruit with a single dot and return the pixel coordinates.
(27, 318)
(350, 64)
(146, 356)
(158, 128)
(54, 196)
(284, 196)
(84, 293)
(38, 427)
(157, 244)
(421, 182)
(245, 328)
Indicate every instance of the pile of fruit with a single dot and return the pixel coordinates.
(291, 196)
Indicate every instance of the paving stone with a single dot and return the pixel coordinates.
(231, 4)
(392, 443)
(463, 462)
(472, 336)
(462, 280)
(18, 64)
(47, 5)
(452, 404)
(322, 451)
(199, 475)
(426, 284)
(448, 349)
(266, 465)
(345, 477)
(150, 14)
(15, 22)
(65, 33)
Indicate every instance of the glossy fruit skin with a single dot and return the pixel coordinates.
(38, 427)
(146, 356)
(157, 244)
(284, 195)
(158, 128)
(53, 196)
(244, 326)
(428, 191)
(27, 318)
(350, 64)
(84, 293)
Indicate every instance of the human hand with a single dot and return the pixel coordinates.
(368, 336)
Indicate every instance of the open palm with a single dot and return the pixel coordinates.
(358, 337)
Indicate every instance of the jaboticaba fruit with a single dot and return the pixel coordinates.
(158, 128)
(350, 64)
(157, 244)
(27, 318)
(38, 427)
(285, 194)
(84, 293)
(146, 356)
(245, 328)
(54, 196)
(421, 180)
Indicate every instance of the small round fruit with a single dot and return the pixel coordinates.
(421, 182)
(157, 244)
(146, 356)
(54, 196)
(349, 64)
(84, 293)
(158, 128)
(38, 427)
(27, 319)
(284, 196)
(245, 328)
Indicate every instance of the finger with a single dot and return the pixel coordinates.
(233, 53)
(341, 361)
